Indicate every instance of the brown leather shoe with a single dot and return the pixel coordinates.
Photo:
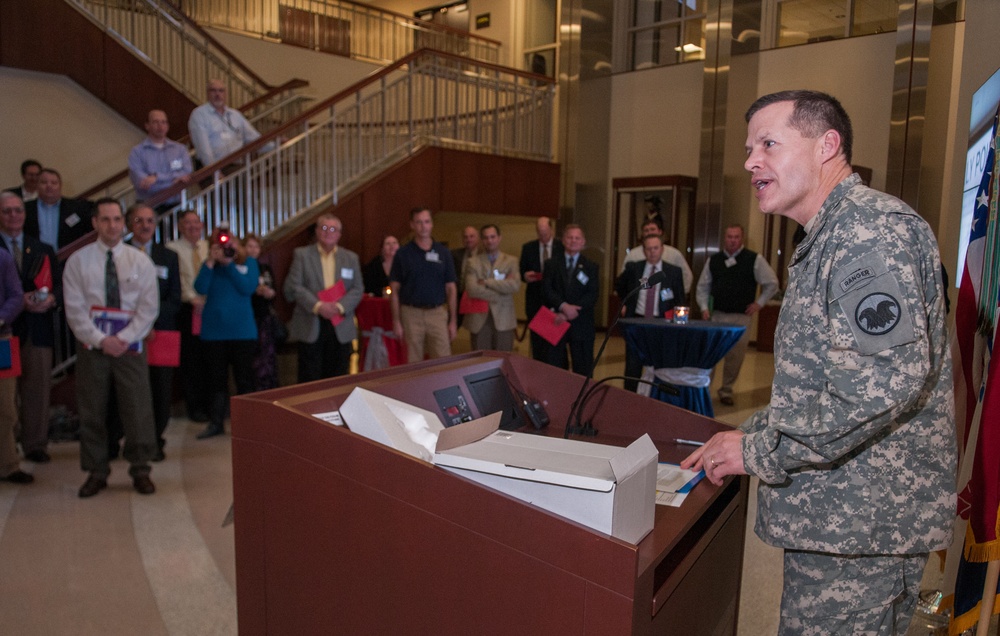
(19, 477)
(143, 485)
(92, 486)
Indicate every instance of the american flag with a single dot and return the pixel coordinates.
(977, 400)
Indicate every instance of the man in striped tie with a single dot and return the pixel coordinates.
(654, 302)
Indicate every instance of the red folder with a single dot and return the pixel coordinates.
(469, 305)
(10, 354)
(332, 295)
(544, 324)
(163, 349)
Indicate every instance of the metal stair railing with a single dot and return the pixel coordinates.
(159, 33)
(341, 27)
(427, 98)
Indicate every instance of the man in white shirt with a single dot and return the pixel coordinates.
(108, 273)
(731, 277)
(671, 255)
(216, 129)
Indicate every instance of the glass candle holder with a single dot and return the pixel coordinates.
(681, 315)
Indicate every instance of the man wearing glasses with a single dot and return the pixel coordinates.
(325, 285)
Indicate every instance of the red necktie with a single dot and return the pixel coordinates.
(650, 298)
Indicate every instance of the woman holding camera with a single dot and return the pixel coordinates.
(228, 279)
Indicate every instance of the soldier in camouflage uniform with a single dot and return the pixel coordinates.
(856, 451)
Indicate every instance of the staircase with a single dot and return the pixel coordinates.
(339, 27)
(428, 98)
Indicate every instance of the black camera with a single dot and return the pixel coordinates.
(224, 238)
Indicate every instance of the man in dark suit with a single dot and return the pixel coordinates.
(654, 302)
(52, 219)
(324, 349)
(28, 190)
(34, 327)
(533, 257)
(141, 220)
(571, 286)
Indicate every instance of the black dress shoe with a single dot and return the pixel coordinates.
(198, 416)
(143, 485)
(728, 401)
(210, 431)
(38, 456)
(92, 486)
(19, 477)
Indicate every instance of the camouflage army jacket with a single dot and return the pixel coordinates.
(856, 451)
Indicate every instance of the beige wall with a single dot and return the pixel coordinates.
(276, 64)
(52, 119)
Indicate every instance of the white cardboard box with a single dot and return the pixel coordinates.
(607, 488)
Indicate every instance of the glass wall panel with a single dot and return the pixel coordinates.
(875, 16)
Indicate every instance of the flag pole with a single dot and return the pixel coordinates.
(989, 598)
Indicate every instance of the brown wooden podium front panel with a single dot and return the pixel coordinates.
(338, 534)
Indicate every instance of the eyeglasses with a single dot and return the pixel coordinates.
(332, 229)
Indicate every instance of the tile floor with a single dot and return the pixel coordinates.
(123, 563)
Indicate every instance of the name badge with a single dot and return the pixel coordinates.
(347, 273)
(666, 294)
(432, 257)
(162, 272)
(72, 219)
(730, 262)
(498, 275)
(176, 164)
(242, 269)
(583, 278)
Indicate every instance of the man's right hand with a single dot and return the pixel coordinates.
(147, 182)
(570, 311)
(532, 277)
(705, 314)
(397, 328)
(113, 346)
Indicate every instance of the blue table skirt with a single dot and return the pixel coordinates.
(664, 345)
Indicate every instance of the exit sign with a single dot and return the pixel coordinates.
(482, 21)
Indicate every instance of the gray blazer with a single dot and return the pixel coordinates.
(305, 280)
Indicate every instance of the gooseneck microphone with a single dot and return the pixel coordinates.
(644, 283)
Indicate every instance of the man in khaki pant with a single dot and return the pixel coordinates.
(424, 292)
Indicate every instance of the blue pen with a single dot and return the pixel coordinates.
(689, 442)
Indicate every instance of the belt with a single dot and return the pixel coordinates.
(423, 306)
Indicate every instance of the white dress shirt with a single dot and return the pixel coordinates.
(671, 255)
(83, 288)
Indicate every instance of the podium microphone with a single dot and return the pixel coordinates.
(652, 281)
(644, 283)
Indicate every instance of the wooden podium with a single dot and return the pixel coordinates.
(336, 534)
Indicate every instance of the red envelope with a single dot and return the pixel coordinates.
(544, 324)
(469, 305)
(332, 295)
(163, 349)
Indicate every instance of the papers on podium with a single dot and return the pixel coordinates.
(544, 324)
(607, 488)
